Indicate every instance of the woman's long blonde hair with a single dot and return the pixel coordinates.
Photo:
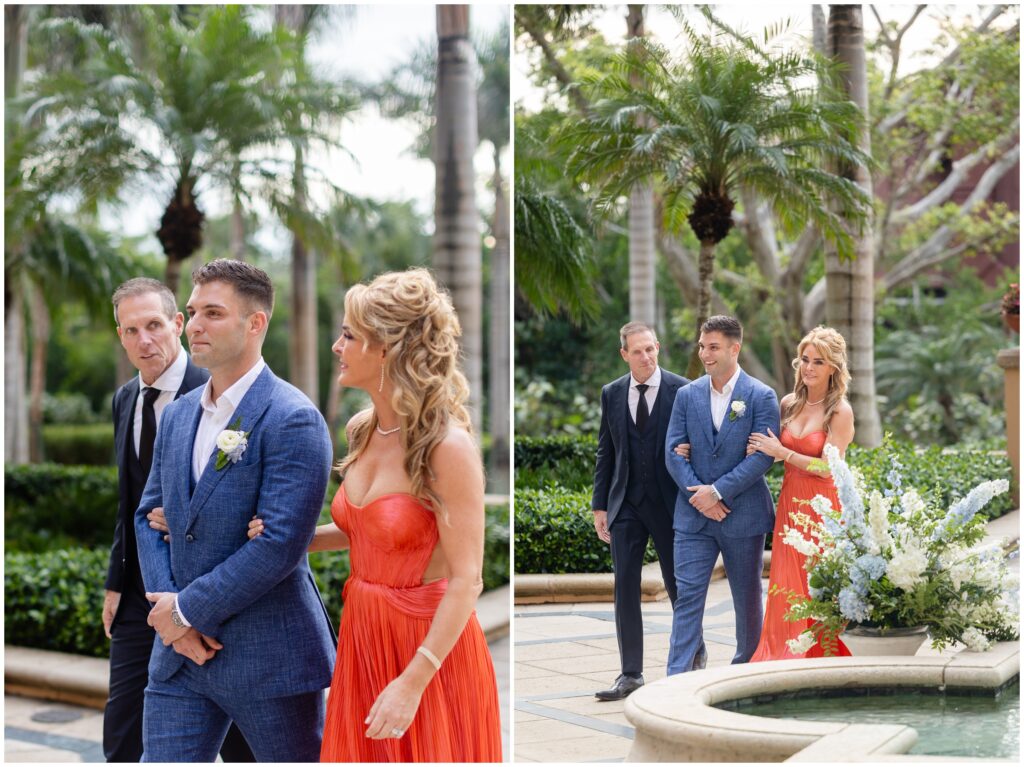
(831, 345)
(414, 321)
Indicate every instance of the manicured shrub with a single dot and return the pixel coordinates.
(53, 600)
(50, 506)
(81, 444)
(555, 534)
(563, 460)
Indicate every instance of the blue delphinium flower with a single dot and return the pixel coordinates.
(872, 565)
(849, 499)
(961, 512)
(895, 488)
(852, 606)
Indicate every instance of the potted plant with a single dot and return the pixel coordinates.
(1011, 308)
(890, 562)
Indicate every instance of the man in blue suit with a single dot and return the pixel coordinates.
(633, 494)
(245, 636)
(723, 505)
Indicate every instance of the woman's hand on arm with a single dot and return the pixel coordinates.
(327, 537)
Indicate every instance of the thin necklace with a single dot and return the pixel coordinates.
(809, 403)
(386, 432)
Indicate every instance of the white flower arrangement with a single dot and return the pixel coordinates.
(890, 559)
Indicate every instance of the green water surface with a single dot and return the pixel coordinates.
(982, 725)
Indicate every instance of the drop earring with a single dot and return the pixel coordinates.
(380, 388)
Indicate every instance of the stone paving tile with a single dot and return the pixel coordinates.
(528, 671)
(532, 652)
(572, 625)
(585, 704)
(558, 683)
(546, 730)
(584, 664)
(593, 747)
(526, 716)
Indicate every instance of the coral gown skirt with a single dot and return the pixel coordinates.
(387, 613)
(787, 569)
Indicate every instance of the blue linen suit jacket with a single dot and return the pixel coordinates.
(257, 597)
(721, 459)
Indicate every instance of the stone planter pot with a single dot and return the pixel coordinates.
(861, 640)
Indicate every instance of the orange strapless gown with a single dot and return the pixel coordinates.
(388, 610)
(787, 568)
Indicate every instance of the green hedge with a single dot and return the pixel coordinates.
(554, 527)
(563, 460)
(79, 444)
(53, 599)
(49, 506)
(555, 534)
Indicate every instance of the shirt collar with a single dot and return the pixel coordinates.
(234, 393)
(730, 385)
(653, 382)
(170, 379)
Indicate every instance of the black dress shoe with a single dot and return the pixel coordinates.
(623, 686)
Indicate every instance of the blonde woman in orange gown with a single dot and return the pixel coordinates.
(816, 413)
(414, 680)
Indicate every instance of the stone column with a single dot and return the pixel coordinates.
(1009, 361)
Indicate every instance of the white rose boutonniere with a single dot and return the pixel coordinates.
(736, 409)
(231, 444)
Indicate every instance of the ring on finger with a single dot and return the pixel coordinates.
(397, 732)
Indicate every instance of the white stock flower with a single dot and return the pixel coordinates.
(878, 520)
(975, 640)
(906, 568)
(801, 644)
(229, 439)
(911, 502)
(821, 505)
(795, 538)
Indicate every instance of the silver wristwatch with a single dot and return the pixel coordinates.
(176, 618)
(714, 492)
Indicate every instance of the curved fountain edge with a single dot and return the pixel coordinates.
(693, 730)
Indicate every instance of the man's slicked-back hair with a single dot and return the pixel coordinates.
(635, 327)
(729, 327)
(250, 282)
(139, 286)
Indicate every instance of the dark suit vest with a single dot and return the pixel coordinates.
(643, 454)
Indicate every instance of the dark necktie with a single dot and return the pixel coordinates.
(148, 428)
(642, 413)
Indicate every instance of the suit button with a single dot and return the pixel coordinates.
(190, 537)
(714, 455)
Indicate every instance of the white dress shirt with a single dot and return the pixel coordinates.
(215, 419)
(720, 401)
(633, 395)
(168, 383)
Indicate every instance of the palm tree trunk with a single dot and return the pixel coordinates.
(706, 268)
(15, 412)
(303, 357)
(456, 251)
(641, 221)
(37, 373)
(500, 360)
(850, 285)
(237, 246)
(303, 341)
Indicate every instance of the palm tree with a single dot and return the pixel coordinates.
(850, 283)
(641, 217)
(194, 103)
(729, 116)
(457, 257)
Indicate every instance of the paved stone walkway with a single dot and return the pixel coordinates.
(564, 653)
(44, 731)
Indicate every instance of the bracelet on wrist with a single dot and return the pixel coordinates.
(430, 657)
(788, 456)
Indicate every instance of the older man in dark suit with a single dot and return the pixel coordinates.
(149, 326)
(634, 495)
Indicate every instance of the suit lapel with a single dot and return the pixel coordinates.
(127, 425)
(663, 407)
(703, 393)
(740, 393)
(620, 407)
(247, 414)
